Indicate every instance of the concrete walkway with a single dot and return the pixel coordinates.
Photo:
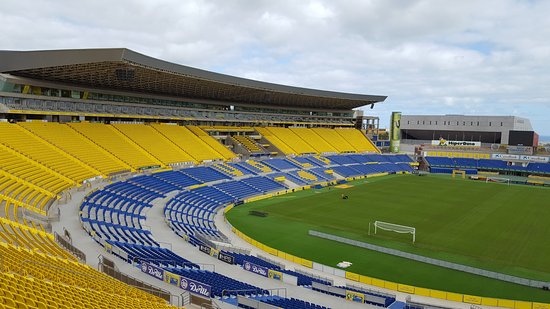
(161, 231)
(69, 220)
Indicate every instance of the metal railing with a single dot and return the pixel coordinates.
(107, 267)
(69, 247)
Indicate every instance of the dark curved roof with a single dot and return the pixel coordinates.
(125, 70)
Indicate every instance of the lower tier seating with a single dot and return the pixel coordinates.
(222, 286)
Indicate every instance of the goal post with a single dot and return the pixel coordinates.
(498, 180)
(392, 227)
(459, 172)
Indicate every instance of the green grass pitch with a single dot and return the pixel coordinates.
(486, 225)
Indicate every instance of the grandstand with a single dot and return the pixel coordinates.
(129, 133)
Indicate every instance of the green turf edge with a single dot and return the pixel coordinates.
(294, 240)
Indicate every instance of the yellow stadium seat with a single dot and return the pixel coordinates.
(247, 142)
(275, 141)
(212, 142)
(195, 146)
(116, 143)
(154, 143)
(357, 139)
(314, 140)
(76, 144)
(35, 148)
(292, 140)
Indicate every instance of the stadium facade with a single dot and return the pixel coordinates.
(507, 130)
(94, 84)
(128, 134)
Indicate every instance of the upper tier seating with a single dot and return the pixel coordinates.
(35, 148)
(274, 139)
(357, 140)
(116, 143)
(290, 138)
(314, 140)
(77, 145)
(334, 139)
(212, 142)
(248, 143)
(154, 143)
(188, 141)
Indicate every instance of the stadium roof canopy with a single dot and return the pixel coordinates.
(122, 69)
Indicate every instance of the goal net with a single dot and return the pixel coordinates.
(459, 172)
(402, 229)
(498, 180)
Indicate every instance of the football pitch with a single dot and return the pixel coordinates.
(498, 227)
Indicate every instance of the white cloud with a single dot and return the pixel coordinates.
(429, 56)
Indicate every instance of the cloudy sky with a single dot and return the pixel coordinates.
(489, 57)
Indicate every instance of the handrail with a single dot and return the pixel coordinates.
(70, 247)
(137, 259)
(244, 290)
(139, 284)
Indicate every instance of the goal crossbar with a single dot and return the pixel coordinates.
(498, 179)
(392, 227)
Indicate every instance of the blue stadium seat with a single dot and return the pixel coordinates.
(221, 285)
(204, 174)
(280, 164)
(177, 179)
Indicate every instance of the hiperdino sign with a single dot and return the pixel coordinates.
(444, 142)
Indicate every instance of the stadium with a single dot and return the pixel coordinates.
(132, 182)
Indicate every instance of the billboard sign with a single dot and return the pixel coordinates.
(520, 150)
(205, 249)
(446, 143)
(195, 287)
(257, 269)
(153, 270)
(537, 159)
(395, 134)
(273, 274)
(355, 297)
(227, 258)
(171, 278)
